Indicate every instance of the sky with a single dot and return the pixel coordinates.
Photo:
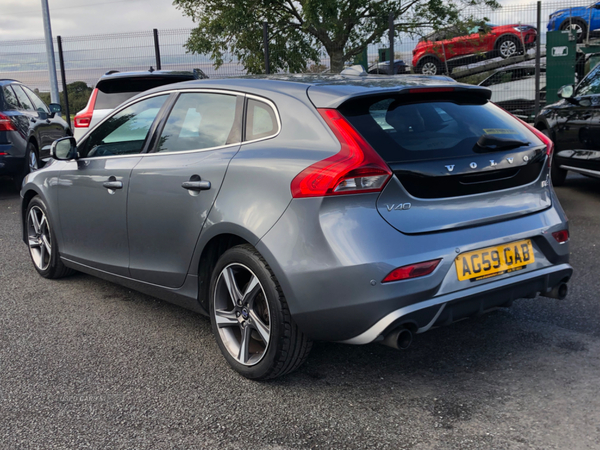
(22, 19)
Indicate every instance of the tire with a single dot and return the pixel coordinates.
(509, 46)
(256, 334)
(557, 174)
(429, 66)
(578, 25)
(41, 241)
(32, 159)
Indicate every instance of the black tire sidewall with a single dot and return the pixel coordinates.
(245, 256)
(54, 258)
(31, 148)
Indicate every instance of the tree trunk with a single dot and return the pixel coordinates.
(336, 57)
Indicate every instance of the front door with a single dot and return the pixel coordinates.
(182, 177)
(92, 191)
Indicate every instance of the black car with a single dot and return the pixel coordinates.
(27, 125)
(573, 123)
(383, 68)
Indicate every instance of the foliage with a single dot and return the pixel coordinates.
(297, 28)
(79, 93)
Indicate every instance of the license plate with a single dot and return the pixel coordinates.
(494, 261)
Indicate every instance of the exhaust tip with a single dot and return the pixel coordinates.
(400, 339)
(559, 291)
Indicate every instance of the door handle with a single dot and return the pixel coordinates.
(196, 185)
(113, 184)
(34, 120)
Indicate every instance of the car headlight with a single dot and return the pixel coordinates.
(522, 28)
(556, 15)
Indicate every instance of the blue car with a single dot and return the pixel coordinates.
(577, 18)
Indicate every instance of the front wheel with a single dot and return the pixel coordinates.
(429, 66)
(250, 317)
(578, 26)
(42, 242)
(509, 46)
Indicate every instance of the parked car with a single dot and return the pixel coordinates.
(513, 89)
(573, 123)
(577, 18)
(27, 125)
(115, 87)
(452, 48)
(383, 68)
(282, 209)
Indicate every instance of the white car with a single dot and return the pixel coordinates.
(514, 89)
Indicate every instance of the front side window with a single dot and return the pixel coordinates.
(23, 99)
(39, 105)
(200, 120)
(590, 85)
(261, 121)
(125, 132)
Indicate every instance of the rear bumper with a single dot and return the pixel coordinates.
(445, 309)
(11, 165)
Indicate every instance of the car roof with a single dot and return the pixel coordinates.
(325, 91)
(5, 81)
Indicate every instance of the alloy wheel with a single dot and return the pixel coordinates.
(429, 68)
(39, 238)
(508, 48)
(32, 161)
(242, 314)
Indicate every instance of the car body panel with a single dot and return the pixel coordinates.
(587, 14)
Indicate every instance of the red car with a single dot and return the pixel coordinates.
(445, 49)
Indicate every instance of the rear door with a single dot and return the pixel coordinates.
(173, 189)
(458, 160)
(49, 128)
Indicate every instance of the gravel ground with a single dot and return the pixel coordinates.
(88, 364)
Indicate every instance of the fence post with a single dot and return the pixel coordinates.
(157, 49)
(536, 109)
(266, 42)
(392, 66)
(61, 61)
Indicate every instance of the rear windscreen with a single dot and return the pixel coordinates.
(113, 92)
(406, 128)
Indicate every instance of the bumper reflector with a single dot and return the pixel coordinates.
(561, 236)
(412, 271)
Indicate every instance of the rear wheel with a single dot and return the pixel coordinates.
(42, 242)
(250, 317)
(509, 46)
(429, 66)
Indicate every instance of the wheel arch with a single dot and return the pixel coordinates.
(27, 196)
(506, 35)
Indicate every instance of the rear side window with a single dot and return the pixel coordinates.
(402, 129)
(39, 105)
(199, 121)
(261, 121)
(10, 98)
(23, 99)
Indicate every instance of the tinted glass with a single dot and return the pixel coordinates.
(23, 99)
(39, 105)
(198, 121)
(124, 133)
(590, 85)
(111, 101)
(10, 98)
(260, 120)
(403, 130)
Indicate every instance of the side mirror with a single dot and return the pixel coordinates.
(566, 92)
(54, 109)
(64, 149)
(597, 6)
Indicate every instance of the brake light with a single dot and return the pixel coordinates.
(561, 236)
(430, 90)
(412, 271)
(6, 124)
(84, 118)
(355, 169)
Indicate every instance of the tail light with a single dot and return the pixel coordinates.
(355, 169)
(6, 124)
(545, 139)
(84, 118)
(412, 271)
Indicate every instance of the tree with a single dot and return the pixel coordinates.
(79, 93)
(298, 28)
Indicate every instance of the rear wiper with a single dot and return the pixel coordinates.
(492, 143)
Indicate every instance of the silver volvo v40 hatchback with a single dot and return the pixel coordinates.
(348, 209)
